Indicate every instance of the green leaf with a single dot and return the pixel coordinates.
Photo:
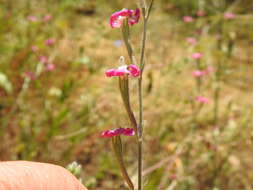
(117, 147)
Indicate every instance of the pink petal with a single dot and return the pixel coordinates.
(110, 73)
(134, 70)
(197, 55)
(129, 132)
(202, 99)
(107, 134)
(118, 131)
(198, 73)
(229, 16)
(120, 71)
(117, 18)
(50, 41)
(188, 19)
(134, 17)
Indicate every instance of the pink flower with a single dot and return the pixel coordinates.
(202, 99)
(47, 17)
(132, 70)
(201, 13)
(34, 48)
(229, 16)
(50, 67)
(209, 69)
(198, 73)
(32, 18)
(30, 75)
(50, 41)
(117, 18)
(118, 131)
(188, 19)
(43, 59)
(197, 55)
(191, 40)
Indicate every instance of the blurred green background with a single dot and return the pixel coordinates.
(55, 99)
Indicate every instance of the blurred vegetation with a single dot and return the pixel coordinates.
(57, 115)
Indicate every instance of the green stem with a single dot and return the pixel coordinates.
(117, 147)
(140, 127)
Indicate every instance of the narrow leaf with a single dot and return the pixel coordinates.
(117, 147)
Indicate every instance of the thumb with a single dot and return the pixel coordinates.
(24, 175)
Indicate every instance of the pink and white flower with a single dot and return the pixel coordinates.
(198, 73)
(229, 16)
(191, 40)
(117, 18)
(188, 19)
(50, 41)
(131, 70)
(202, 99)
(197, 55)
(118, 131)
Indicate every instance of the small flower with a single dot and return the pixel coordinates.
(50, 67)
(202, 99)
(188, 19)
(191, 40)
(132, 70)
(43, 59)
(50, 41)
(117, 18)
(229, 16)
(30, 75)
(198, 73)
(34, 49)
(201, 13)
(118, 131)
(47, 17)
(32, 18)
(197, 55)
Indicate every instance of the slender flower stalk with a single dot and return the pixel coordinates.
(124, 19)
(145, 15)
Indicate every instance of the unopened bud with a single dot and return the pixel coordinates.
(122, 60)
